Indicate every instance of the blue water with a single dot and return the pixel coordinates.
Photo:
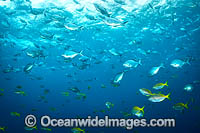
(154, 32)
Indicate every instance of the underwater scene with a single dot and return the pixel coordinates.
(66, 61)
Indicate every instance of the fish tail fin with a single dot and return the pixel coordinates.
(142, 109)
(187, 61)
(186, 105)
(83, 130)
(125, 22)
(35, 127)
(81, 53)
(168, 96)
(162, 65)
(109, 14)
(81, 27)
(34, 63)
(140, 62)
(151, 94)
(166, 83)
(125, 71)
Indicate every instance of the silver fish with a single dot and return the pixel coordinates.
(118, 78)
(179, 63)
(71, 54)
(154, 70)
(28, 67)
(132, 63)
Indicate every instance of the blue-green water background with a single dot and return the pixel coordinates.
(124, 97)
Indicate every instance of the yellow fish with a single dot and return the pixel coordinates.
(145, 92)
(158, 97)
(125, 114)
(78, 130)
(30, 128)
(46, 129)
(81, 95)
(109, 105)
(20, 93)
(160, 85)
(139, 112)
(65, 93)
(15, 114)
(2, 129)
(180, 106)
